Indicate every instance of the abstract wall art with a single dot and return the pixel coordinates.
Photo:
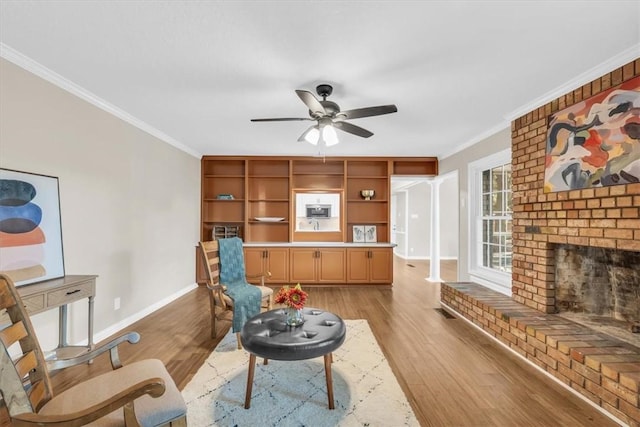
(30, 228)
(596, 142)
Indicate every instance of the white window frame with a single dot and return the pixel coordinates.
(491, 278)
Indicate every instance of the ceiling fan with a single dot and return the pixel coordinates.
(328, 116)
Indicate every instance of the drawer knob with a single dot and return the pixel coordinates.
(73, 292)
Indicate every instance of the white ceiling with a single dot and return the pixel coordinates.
(195, 72)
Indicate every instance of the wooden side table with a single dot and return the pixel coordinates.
(57, 293)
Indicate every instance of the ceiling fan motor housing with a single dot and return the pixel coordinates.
(331, 108)
(324, 90)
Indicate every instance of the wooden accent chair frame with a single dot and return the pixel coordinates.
(140, 393)
(220, 303)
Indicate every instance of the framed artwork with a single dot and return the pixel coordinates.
(30, 227)
(370, 234)
(594, 143)
(358, 234)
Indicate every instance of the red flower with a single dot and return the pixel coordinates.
(292, 297)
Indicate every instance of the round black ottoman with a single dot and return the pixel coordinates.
(267, 335)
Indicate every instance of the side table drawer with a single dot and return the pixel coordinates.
(69, 294)
(33, 304)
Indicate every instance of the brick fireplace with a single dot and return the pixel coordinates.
(564, 227)
(605, 217)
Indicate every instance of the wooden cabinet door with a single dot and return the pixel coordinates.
(302, 267)
(381, 265)
(357, 265)
(331, 265)
(254, 262)
(277, 263)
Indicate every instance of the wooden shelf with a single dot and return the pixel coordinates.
(424, 166)
(366, 222)
(258, 168)
(318, 167)
(262, 187)
(368, 169)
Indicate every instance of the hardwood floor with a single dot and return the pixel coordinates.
(452, 374)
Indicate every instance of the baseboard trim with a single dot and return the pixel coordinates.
(115, 328)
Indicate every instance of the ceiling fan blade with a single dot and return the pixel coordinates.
(282, 119)
(311, 102)
(350, 128)
(368, 111)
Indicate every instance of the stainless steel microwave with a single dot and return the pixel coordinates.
(318, 211)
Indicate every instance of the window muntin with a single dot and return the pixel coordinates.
(496, 225)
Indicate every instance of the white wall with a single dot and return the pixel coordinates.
(459, 162)
(399, 212)
(449, 218)
(129, 202)
(417, 230)
(419, 220)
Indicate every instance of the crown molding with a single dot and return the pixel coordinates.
(624, 57)
(40, 70)
(484, 135)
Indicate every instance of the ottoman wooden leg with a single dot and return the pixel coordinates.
(252, 367)
(327, 372)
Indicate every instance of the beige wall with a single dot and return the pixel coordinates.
(460, 162)
(129, 202)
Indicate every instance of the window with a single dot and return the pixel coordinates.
(490, 221)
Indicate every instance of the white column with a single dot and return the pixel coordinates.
(434, 247)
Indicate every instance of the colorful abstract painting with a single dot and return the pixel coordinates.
(596, 142)
(30, 230)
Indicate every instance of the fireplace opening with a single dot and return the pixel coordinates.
(599, 288)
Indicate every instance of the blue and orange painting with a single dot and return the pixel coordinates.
(30, 238)
(596, 142)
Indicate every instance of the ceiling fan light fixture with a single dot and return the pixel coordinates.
(329, 135)
(312, 135)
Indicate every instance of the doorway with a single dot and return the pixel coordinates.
(417, 205)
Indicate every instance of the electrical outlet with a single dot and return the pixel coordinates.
(116, 303)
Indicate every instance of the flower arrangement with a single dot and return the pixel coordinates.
(292, 297)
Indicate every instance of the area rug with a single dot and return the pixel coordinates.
(294, 393)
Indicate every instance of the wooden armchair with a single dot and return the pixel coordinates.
(141, 393)
(220, 301)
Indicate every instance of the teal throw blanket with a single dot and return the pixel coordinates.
(246, 297)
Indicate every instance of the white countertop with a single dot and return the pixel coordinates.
(320, 244)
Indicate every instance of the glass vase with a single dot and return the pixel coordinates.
(293, 316)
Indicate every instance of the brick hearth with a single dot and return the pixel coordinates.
(603, 369)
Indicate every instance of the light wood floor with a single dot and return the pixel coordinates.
(452, 374)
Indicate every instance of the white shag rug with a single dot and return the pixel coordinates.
(294, 393)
